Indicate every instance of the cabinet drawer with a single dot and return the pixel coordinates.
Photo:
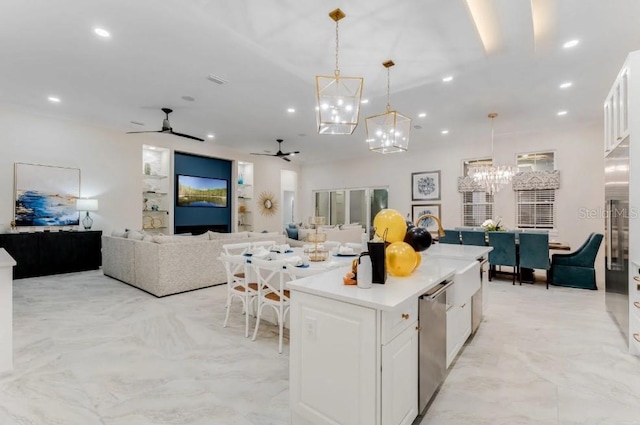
(634, 334)
(394, 322)
(634, 307)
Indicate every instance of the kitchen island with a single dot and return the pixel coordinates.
(354, 352)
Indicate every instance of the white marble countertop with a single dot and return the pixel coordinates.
(381, 297)
(5, 259)
(470, 252)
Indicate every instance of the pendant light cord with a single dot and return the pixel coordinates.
(337, 71)
(388, 89)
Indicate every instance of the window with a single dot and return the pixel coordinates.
(476, 206)
(350, 205)
(536, 209)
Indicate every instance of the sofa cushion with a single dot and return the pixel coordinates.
(259, 234)
(172, 239)
(147, 238)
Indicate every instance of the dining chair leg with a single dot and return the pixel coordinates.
(280, 330)
(513, 279)
(255, 331)
(228, 307)
(247, 302)
(547, 278)
(490, 272)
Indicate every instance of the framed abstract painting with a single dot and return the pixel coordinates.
(428, 223)
(46, 195)
(425, 186)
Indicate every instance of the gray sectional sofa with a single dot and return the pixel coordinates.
(166, 265)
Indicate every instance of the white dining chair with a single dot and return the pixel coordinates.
(238, 287)
(264, 244)
(271, 276)
(236, 248)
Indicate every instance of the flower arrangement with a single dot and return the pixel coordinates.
(493, 226)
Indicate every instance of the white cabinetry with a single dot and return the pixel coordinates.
(156, 189)
(333, 362)
(245, 196)
(458, 328)
(400, 378)
(341, 370)
(616, 111)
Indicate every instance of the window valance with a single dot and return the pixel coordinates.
(532, 180)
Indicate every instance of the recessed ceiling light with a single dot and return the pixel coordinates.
(188, 98)
(445, 132)
(447, 79)
(291, 110)
(566, 85)
(364, 101)
(561, 113)
(102, 32)
(422, 114)
(210, 136)
(570, 44)
(54, 99)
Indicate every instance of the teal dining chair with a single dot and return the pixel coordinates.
(450, 236)
(534, 253)
(503, 253)
(577, 269)
(473, 237)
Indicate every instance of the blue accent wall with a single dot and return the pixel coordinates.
(202, 166)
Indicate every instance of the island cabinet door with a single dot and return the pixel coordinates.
(400, 378)
(332, 370)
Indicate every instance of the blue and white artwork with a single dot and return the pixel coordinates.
(425, 186)
(46, 195)
(428, 223)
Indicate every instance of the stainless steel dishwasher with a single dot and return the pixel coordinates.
(432, 364)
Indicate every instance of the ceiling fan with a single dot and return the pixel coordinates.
(279, 154)
(166, 128)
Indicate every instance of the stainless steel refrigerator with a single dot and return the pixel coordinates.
(616, 175)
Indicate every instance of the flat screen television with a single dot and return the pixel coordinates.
(205, 192)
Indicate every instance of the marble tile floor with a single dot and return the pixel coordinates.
(91, 350)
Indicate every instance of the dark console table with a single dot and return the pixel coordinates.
(45, 253)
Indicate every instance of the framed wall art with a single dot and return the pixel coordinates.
(425, 186)
(428, 223)
(46, 195)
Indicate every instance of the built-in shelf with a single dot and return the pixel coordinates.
(156, 188)
(244, 194)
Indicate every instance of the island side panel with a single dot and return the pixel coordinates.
(332, 362)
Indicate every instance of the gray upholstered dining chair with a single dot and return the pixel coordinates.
(473, 237)
(450, 236)
(503, 253)
(534, 252)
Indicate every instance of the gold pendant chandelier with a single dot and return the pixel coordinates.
(338, 97)
(388, 132)
(492, 178)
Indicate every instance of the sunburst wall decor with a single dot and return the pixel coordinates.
(267, 204)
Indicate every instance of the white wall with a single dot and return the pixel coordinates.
(110, 163)
(578, 156)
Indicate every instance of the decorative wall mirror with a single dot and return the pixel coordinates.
(267, 204)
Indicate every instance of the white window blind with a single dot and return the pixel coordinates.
(476, 208)
(536, 208)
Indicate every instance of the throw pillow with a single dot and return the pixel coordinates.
(147, 238)
(117, 234)
(292, 233)
(135, 235)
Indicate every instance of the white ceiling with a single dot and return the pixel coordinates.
(270, 51)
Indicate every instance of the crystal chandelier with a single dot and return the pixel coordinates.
(492, 178)
(338, 98)
(388, 132)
